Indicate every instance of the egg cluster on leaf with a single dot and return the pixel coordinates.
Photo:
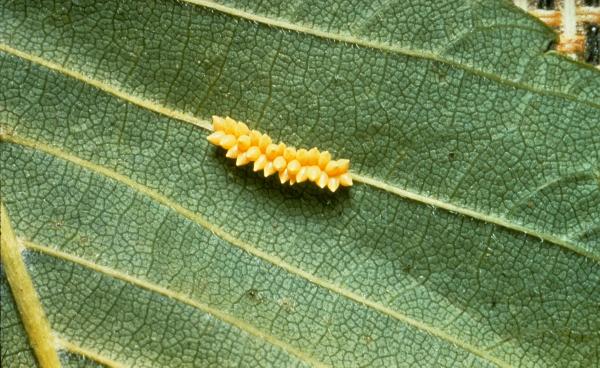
(292, 165)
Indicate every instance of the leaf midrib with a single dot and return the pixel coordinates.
(31, 312)
(391, 188)
(274, 260)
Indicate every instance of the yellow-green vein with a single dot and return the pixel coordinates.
(240, 324)
(415, 196)
(110, 89)
(385, 47)
(200, 220)
(492, 219)
(89, 354)
(30, 309)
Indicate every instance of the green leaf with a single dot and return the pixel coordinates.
(470, 238)
(13, 339)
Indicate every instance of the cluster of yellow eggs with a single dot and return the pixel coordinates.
(292, 165)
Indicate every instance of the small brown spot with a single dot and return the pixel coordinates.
(254, 295)
(287, 305)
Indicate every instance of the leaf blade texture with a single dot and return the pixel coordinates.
(472, 241)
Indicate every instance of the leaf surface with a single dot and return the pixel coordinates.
(13, 339)
(471, 238)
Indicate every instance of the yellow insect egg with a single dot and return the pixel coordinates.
(244, 143)
(260, 163)
(242, 160)
(324, 159)
(302, 174)
(289, 153)
(333, 184)
(254, 137)
(241, 129)
(271, 152)
(345, 180)
(253, 153)
(313, 173)
(323, 180)
(264, 142)
(302, 156)
(218, 124)
(312, 157)
(344, 165)
(228, 141)
(291, 165)
(279, 163)
(230, 126)
(283, 176)
(233, 152)
(269, 169)
(216, 137)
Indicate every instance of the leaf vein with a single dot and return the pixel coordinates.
(115, 91)
(488, 218)
(204, 124)
(346, 38)
(89, 354)
(276, 261)
(30, 308)
(152, 287)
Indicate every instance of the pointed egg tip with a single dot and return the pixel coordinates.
(323, 180)
(229, 125)
(313, 173)
(333, 184)
(283, 176)
(279, 163)
(233, 152)
(241, 160)
(253, 153)
(269, 169)
(264, 142)
(346, 180)
(324, 159)
(260, 163)
(301, 175)
(244, 142)
(344, 165)
(218, 123)
(241, 129)
(215, 138)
